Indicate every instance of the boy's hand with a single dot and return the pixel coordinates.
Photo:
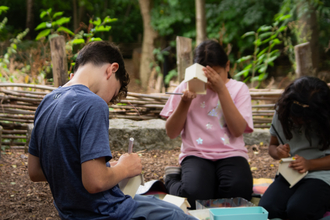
(113, 163)
(300, 164)
(283, 151)
(188, 96)
(132, 164)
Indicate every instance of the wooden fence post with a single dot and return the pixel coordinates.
(303, 56)
(184, 55)
(59, 60)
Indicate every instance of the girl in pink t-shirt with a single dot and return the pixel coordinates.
(213, 155)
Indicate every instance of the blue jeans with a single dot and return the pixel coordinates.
(152, 208)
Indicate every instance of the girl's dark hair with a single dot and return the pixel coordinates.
(99, 53)
(307, 100)
(210, 53)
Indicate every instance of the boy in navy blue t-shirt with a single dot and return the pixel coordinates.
(69, 145)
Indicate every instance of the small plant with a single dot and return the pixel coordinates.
(159, 58)
(8, 58)
(51, 25)
(266, 38)
(83, 37)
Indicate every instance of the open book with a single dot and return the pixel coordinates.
(291, 175)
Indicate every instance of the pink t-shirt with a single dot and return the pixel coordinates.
(205, 133)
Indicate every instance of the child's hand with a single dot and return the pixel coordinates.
(188, 96)
(300, 164)
(214, 80)
(283, 151)
(113, 163)
(132, 164)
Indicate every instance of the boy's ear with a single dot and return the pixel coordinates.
(112, 69)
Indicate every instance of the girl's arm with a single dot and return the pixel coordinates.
(302, 165)
(276, 150)
(234, 120)
(175, 123)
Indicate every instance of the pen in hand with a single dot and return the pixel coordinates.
(130, 145)
(279, 137)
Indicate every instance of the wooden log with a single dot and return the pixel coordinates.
(24, 85)
(59, 60)
(264, 106)
(15, 98)
(13, 143)
(147, 96)
(8, 116)
(184, 55)
(303, 56)
(11, 126)
(20, 94)
(16, 111)
(19, 107)
(18, 148)
(14, 131)
(263, 111)
(133, 117)
(16, 120)
(13, 137)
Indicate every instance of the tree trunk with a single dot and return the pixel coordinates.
(75, 15)
(81, 13)
(59, 60)
(200, 21)
(310, 32)
(149, 35)
(29, 18)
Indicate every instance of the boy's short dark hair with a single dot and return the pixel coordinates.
(101, 52)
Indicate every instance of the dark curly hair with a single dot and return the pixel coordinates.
(305, 103)
(99, 53)
(210, 53)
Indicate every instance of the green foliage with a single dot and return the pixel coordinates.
(170, 75)
(266, 38)
(51, 25)
(3, 9)
(82, 38)
(159, 58)
(174, 17)
(11, 50)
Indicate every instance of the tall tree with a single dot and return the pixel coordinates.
(29, 18)
(200, 21)
(75, 15)
(149, 35)
(310, 30)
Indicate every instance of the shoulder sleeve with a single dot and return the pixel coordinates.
(173, 101)
(33, 145)
(33, 149)
(94, 132)
(244, 106)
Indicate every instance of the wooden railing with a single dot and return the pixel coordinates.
(20, 101)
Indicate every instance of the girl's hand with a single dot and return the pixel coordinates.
(283, 151)
(214, 80)
(188, 96)
(300, 164)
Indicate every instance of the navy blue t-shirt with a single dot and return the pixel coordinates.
(71, 127)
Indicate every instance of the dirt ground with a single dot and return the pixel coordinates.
(22, 199)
